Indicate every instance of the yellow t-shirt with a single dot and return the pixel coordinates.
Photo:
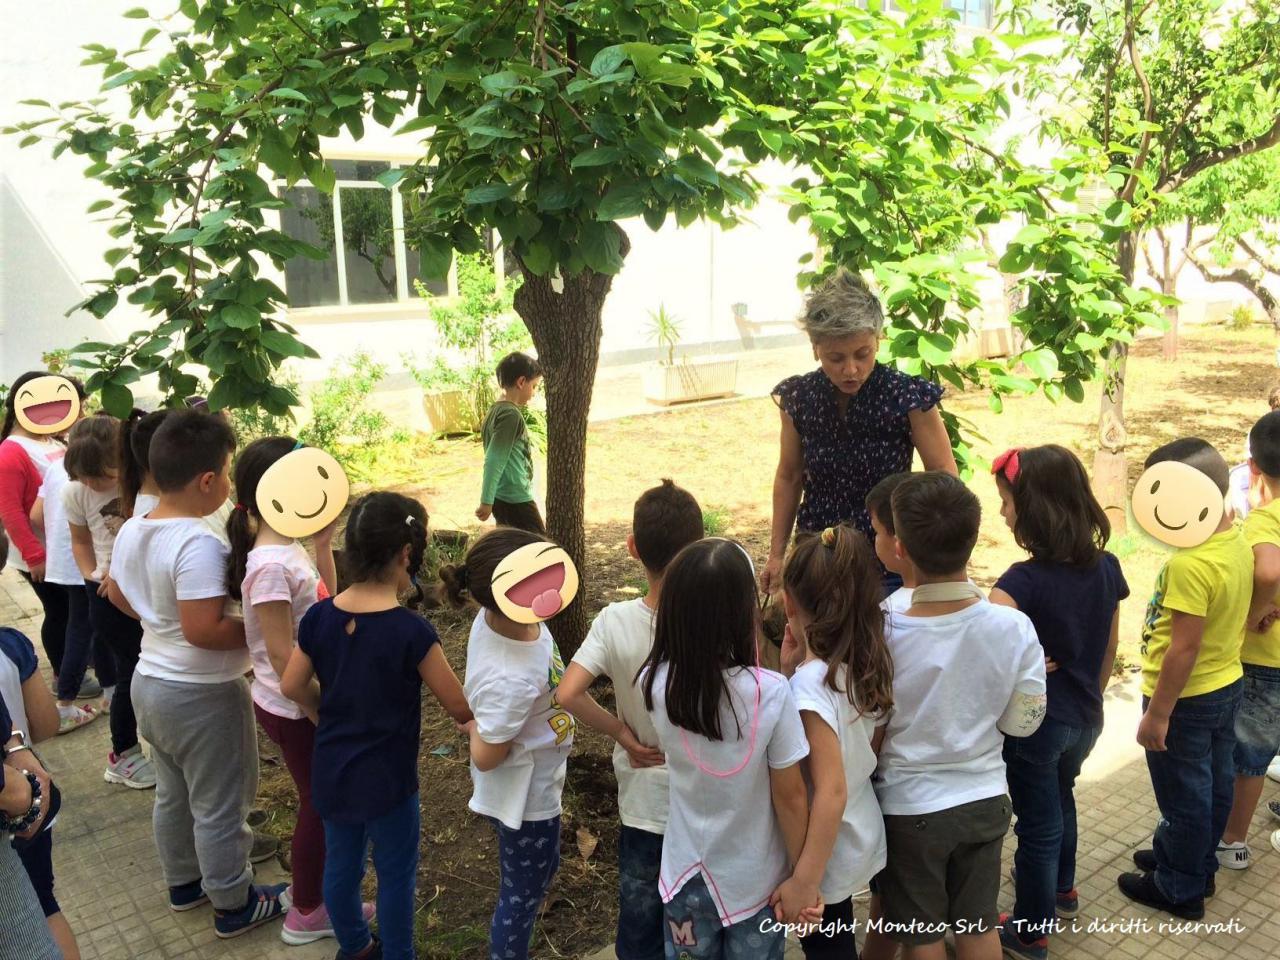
(1214, 581)
(1262, 525)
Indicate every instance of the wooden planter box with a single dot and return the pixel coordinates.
(449, 412)
(690, 379)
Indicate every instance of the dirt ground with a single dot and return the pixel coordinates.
(725, 455)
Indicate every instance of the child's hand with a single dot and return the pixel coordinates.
(640, 755)
(324, 538)
(793, 651)
(1152, 731)
(466, 728)
(1263, 623)
(1050, 664)
(102, 587)
(795, 901)
(484, 512)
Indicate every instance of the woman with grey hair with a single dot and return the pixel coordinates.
(848, 424)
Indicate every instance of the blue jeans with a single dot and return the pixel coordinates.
(694, 931)
(640, 922)
(394, 836)
(528, 859)
(1194, 783)
(1042, 771)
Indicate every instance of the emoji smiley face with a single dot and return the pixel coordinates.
(1177, 504)
(47, 405)
(534, 583)
(302, 492)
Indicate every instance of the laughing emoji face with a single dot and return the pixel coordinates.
(1177, 504)
(47, 405)
(534, 583)
(302, 492)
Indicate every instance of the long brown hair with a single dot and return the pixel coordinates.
(835, 580)
(1058, 518)
(252, 463)
(136, 431)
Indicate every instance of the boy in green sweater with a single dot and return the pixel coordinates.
(506, 492)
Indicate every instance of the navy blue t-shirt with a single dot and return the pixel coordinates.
(366, 758)
(1071, 608)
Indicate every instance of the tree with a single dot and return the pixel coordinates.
(1173, 89)
(551, 123)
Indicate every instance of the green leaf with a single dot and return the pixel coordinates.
(1074, 389)
(240, 317)
(1043, 363)
(324, 177)
(390, 46)
(225, 393)
(771, 35)
(99, 205)
(597, 157)
(601, 247)
(608, 60)
(102, 304)
(286, 344)
(136, 13)
(935, 348)
(1030, 235)
(389, 178)
(185, 235)
(288, 93)
(117, 399)
(622, 201)
(436, 252)
(489, 193)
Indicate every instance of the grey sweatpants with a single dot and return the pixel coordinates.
(24, 934)
(206, 758)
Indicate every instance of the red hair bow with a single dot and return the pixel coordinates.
(1007, 464)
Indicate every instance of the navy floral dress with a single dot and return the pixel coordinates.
(845, 458)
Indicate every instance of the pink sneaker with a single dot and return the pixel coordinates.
(300, 928)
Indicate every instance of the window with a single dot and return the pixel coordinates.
(973, 13)
(362, 228)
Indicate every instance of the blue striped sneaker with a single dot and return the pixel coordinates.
(188, 896)
(264, 904)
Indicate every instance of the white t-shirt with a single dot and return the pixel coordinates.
(101, 513)
(953, 677)
(511, 687)
(60, 563)
(897, 602)
(859, 852)
(273, 573)
(617, 647)
(156, 563)
(216, 521)
(42, 454)
(724, 827)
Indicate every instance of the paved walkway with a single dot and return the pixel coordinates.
(110, 888)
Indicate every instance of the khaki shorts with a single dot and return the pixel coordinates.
(943, 871)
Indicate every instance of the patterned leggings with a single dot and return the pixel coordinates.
(529, 858)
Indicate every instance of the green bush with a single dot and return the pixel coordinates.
(340, 415)
(715, 520)
(1241, 318)
(480, 324)
(253, 423)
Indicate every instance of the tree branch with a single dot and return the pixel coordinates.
(1244, 148)
(1258, 256)
(1148, 103)
(1241, 276)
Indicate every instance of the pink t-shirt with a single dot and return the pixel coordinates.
(274, 573)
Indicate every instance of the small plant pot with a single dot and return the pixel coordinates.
(449, 411)
(690, 379)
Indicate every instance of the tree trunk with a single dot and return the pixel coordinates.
(566, 328)
(1110, 468)
(1169, 287)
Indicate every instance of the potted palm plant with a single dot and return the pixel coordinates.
(670, 380)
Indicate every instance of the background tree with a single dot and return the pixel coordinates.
(551, 122)
(1171, 89)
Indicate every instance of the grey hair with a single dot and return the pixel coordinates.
(842, 307)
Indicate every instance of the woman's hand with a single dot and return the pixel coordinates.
(771, 575)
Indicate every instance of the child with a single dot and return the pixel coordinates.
(1071, 590)
(520, 740)
(965, 672)
(1191, 689)
(842, 679)
(881, 513)
(91, 502)
(1258, 722)
(506, 491)
(371, 657)
(733, 740)
(189, 692)
(665, 520)
(139, 494)
(275, 580)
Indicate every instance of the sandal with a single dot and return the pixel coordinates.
(74, 717)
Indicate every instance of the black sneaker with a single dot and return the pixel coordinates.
(1142, 888)
(373, 952)
(1145, 860)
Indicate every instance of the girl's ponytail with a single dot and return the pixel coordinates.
(252, 463)
(380, 525)
(834, 578)
(136, 431)
(472, 579)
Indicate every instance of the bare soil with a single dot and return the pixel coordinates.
(726, 454)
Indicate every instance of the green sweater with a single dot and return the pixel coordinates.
(508, 456)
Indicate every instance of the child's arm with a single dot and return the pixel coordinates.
(443, 683)
(275, 620)
(328, 570)
(1266, 583)
(501, 709)
(82, 550)
(298, 682)
(1109, 658)
(486, 756)
(1028, 701)
(573, 694)
(118, 600)
(40, 707)
(204, 624)
(502, 440)
(825, 765)
(791, 805)
(1186, 635)
(37, 520)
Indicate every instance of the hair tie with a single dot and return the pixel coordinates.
(408, 521)
(241, 506)
(828, 537)
(298, 445)
(1007, 464)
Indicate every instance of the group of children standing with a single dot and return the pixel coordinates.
(893, 748)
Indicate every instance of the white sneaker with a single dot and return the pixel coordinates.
(131, 768)
(1275, 841)
(1273, 771)
(1233, 856)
